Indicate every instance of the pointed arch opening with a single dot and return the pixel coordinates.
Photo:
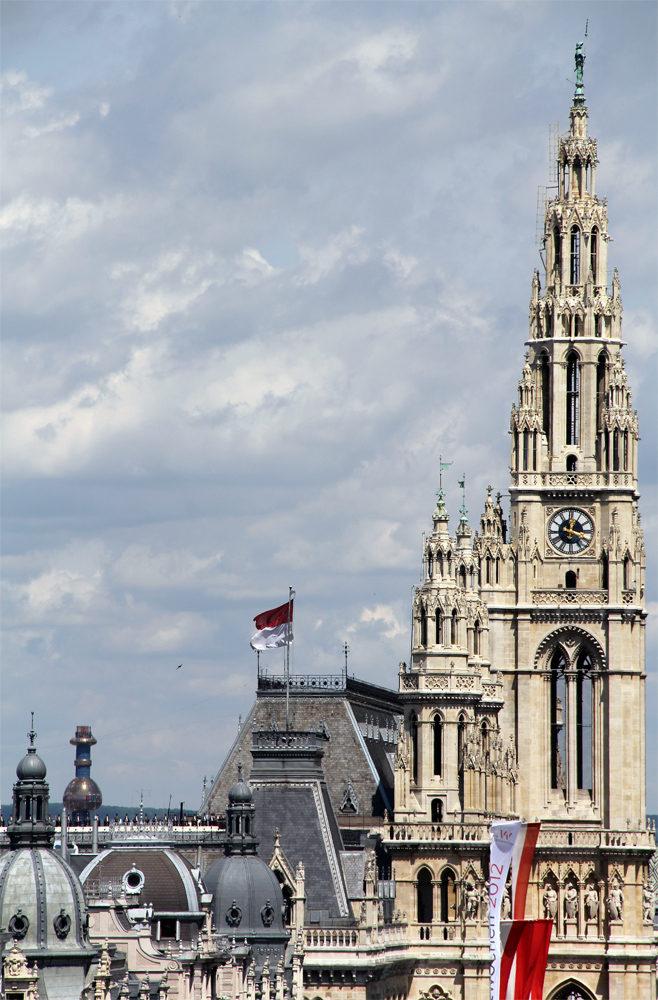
(424, 897)
(573, 397)
(461, 739)
(575, 256)
(594, 254)
(430, 565)
(423, 625)
(437, 734)
(557, 253)
(558, 735)
(438, 626)
(584, 721)
(448, 896)
(437, 811)
(453, 627)
(477, 636)
(413, 731)
(545, 394)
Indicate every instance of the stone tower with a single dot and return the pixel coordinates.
(525, 691)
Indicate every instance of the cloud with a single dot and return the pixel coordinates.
(383, 613)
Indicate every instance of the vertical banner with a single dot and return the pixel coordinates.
(503, 841)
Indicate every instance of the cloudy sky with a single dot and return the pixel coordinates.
(263, 264)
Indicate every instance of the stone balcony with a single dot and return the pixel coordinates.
(577, 480)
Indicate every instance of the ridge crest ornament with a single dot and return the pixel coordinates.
(570, 531)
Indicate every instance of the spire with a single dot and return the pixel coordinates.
(31, 825)
(240, 815)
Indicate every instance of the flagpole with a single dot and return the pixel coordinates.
(287, 667)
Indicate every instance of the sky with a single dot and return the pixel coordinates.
(263, 264)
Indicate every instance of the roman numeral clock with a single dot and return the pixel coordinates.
(570, 531)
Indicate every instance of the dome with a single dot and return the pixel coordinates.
(31, 767)
(248, 898)
(41, 903)
(82, 795)
(149, 876)
(240, 793)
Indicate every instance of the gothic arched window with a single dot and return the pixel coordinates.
(557, 253)
(453, 628)
(525, 450)
(461, 738)
(594, 253)
(476, 637)
(578, 325)
(584, 721)
(430, 565)
(437, 811)
(545, 394)
(437, 732)
(572, 463)
(604, 572)
(570, 580)
(625, 451)
(423, 625)
(424, 897)
(575, 256)
(573, 393)
(413, 729)
(448, 897)
(627, 573)
(462, 577)
(487, 571)
(615, 450)
(558, 735)
(438, 619)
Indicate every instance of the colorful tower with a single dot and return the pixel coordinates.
(82, 795)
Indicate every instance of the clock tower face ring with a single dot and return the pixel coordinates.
(570, 531)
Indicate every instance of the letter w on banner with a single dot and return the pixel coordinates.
(519, 948)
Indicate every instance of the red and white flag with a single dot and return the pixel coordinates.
(274, 628)
(514, 843)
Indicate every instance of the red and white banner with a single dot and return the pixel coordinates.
(274, 628)
(525, 946)
(512, 844)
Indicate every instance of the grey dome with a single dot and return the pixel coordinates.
(240, 793)
(248, 898)
(31, 767)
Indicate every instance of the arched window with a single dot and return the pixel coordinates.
(39, 812)
(598, 325)
(476, 637)
(570, 580)
(423, 625)
(615, 450)
(437, 730)
(575, 256)
(573, 991)
(430, 566)
(625, 451)
(462, 577)
(461, 737)
(572, 463)
(604, 572)
(627, 573)
(578, 325)
(453, 628)
(545, 394)
(440, 563)
(573, 401)
(487, 571)
(525, 450)
(594, 253)
(413, 729)
(424, 897)
(516, 450)
(600, 402)
(437, 811)
(497, 570)
(534, 451)
(448, 897)
(558, 736)
(438, 618)
(484, 729)
(557, 253)
(584, 721)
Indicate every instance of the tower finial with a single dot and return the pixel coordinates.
(463, 510)
(579, 93)
(32, 735)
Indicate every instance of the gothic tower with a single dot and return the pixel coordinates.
(525, 691)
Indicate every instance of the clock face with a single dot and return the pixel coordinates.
(570, 530)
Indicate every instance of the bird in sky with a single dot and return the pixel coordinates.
(179, 666)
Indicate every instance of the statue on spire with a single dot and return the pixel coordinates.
(579, 95)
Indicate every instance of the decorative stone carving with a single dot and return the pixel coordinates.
(591, 901)
(571, 901)
(648, 904)
(434, 683)
(550, 902)
(615, 903)
(471, 900)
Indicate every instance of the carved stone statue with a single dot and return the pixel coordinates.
(484, 900)
(550, 902)
(591, 903)
(506, 905)
(648, 904)
(580, 63)
(571, 901)
(615, 903)
(471, 901)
